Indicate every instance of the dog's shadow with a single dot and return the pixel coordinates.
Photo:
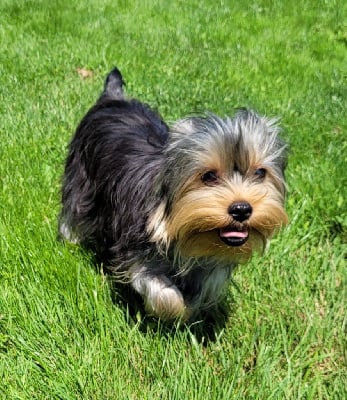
(206, 329)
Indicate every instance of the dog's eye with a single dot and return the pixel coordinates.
(260, 173)
(210, 177)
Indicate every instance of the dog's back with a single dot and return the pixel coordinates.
(117, 149)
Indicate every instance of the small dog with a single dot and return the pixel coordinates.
(171, 212)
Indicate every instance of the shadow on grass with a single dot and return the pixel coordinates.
(206, 328)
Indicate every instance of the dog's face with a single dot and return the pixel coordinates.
(223, 187)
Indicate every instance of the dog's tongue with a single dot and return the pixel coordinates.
(232, 236)
(227, 233)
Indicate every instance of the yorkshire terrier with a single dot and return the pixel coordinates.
(172, 211)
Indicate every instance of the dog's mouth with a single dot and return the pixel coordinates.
(233, 236)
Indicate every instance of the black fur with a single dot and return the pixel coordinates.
(109, 179)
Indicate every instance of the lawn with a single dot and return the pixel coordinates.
(63, 332)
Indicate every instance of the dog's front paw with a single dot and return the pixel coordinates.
(163, 299)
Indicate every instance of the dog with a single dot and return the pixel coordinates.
(171, 212)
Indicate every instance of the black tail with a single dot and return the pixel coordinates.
(114, 85)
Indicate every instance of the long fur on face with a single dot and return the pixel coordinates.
(172, 212)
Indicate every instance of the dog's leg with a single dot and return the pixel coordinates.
(161, 296)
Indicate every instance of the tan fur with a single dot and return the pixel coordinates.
(199, 211)
(157, 226)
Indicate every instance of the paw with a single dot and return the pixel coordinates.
(165, 302)
(162, 298)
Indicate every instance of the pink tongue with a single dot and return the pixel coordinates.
(229, 234)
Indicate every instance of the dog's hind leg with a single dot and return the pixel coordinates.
(66, 233)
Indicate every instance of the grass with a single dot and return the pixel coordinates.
(61, 335)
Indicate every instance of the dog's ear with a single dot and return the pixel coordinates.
(114, 85)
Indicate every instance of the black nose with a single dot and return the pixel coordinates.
(240, 211)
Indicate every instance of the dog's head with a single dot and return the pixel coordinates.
(222, 187)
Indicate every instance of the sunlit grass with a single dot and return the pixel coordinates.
(61, 334)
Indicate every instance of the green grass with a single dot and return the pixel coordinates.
(61, 335)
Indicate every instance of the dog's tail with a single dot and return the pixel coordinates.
(114, 83)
